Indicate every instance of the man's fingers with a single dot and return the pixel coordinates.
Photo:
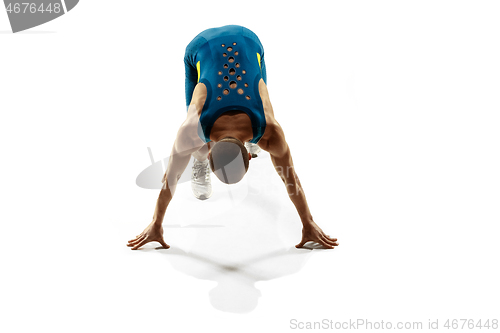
(136, 241)
(325, 242)
(320, 238)
(133, 241)
(330, 238)
(136, 238)
(141, 243)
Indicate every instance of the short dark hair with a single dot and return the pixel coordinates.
(226, 162)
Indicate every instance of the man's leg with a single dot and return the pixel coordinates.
(200, 178)
(202, 153)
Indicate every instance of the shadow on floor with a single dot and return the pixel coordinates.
(237, 243)
(235, 290)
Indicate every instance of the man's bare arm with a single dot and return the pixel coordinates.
(186, 143)
(154, 231)
(281, 157)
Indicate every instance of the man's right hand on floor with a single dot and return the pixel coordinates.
(153, 232)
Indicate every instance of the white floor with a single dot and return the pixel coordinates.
(397, 150)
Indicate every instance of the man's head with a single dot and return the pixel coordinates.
(229, 160)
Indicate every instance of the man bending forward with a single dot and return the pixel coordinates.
(228, 107)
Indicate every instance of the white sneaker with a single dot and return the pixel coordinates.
(200, 180)
(252, 148)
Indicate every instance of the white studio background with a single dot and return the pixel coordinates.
(390, 108)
